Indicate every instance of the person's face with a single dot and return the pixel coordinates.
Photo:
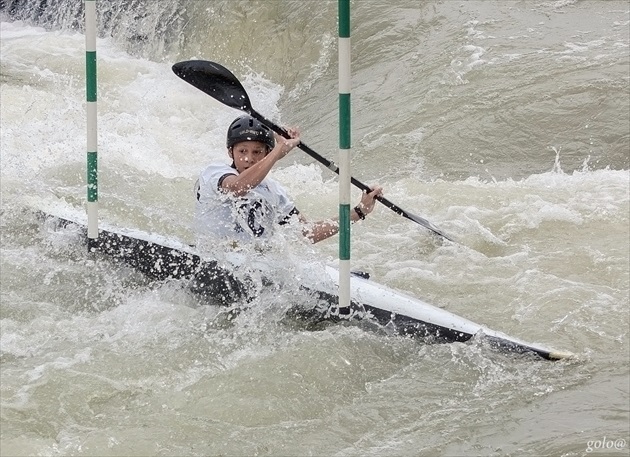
(247, 153)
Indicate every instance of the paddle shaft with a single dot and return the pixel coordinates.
(334, 168)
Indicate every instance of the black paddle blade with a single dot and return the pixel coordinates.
(215, 80)
(425, 223)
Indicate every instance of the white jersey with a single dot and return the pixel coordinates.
(251, 216)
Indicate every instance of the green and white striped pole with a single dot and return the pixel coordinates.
(344, 152)
(90, 83)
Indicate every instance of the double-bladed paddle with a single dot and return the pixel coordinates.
(219, 82)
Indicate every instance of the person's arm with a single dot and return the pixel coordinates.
(321, 230)
(240, 184)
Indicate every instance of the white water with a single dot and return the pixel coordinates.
(94, 361)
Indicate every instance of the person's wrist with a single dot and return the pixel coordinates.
(360, 213)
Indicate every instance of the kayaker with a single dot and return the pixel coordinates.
(241, 202)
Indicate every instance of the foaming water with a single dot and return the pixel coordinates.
(503, 125)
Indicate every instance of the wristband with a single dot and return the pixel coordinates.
(360, 213)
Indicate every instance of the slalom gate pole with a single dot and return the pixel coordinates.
(344, 152)
(90, 83)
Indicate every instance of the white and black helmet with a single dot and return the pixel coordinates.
(246, 128)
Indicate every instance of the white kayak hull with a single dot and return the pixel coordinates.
(161, 258)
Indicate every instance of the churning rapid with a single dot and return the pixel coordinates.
(506, 124)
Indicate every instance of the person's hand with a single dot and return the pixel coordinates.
(285, 145)
(368, 199)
